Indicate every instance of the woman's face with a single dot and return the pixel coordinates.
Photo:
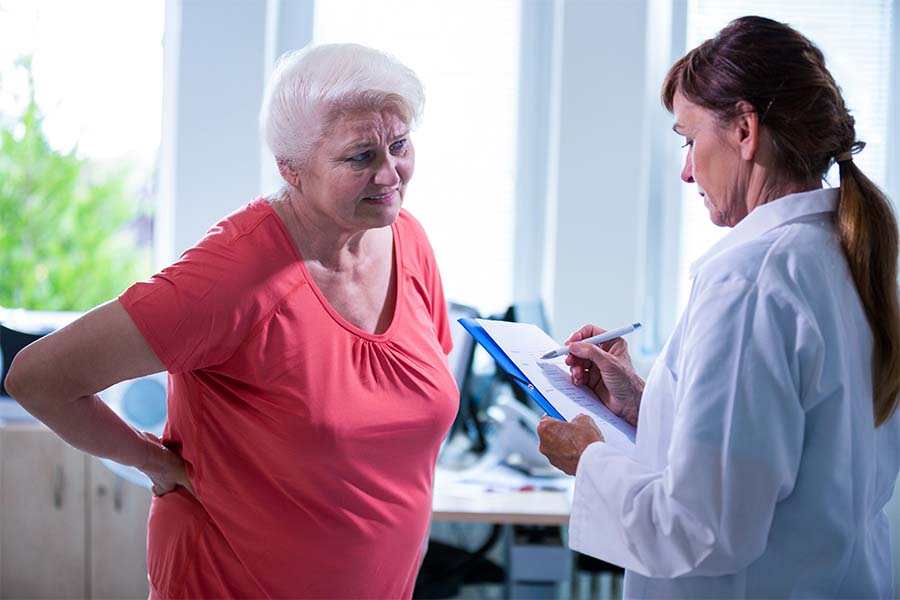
(713, 162)
(357, 175)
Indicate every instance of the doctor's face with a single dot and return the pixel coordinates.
(712, 161)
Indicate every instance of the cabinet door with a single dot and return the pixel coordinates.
(118, 535)
(42, 516)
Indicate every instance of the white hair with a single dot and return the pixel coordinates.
(312, 87)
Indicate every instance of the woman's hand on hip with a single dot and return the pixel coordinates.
(165, 468)
(606, 369)
(564, 443)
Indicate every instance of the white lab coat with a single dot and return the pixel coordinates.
(757, 470)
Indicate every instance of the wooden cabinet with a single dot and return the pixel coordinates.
(42, 516)
(118, 535)
(68, 527)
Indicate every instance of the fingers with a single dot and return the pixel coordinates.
(593, 354)
(587, 362)
(186, 484)
(563, 443)
(584, 333)
(588, 423)
(583, 420)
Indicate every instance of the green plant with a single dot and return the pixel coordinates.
(64, 237)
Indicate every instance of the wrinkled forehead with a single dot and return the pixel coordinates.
(366, 127)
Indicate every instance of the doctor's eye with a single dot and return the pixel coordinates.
(688, 142)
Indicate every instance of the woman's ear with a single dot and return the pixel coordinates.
(746, 129)
(288, 172)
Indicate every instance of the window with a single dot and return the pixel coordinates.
(856, 40)
(463, 187)
(97, 81)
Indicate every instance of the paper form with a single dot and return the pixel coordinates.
(524, 344)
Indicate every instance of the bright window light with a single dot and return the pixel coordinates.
(463, 187)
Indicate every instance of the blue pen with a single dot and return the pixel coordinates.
(597, 339)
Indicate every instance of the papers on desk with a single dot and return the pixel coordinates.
(491, 475)
(517, 347)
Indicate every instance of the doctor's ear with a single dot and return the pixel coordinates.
(746, 127)
(288, 172)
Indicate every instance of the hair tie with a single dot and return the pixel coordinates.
(844, 157)
(848, 155)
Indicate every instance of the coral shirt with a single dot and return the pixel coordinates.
(311, 443)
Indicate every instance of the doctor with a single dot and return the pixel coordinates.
(768, 443)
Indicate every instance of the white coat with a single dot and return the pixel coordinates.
(757, 470)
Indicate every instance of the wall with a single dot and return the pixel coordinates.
(214, 55)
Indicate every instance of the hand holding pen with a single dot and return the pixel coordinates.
(605, 336)
(606, 369)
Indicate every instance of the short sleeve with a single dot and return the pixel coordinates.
(195, 313)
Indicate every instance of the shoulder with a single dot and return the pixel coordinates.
(414, 242)
(253, 220)
(409, 226)
(243, 252)
(792, 261)
(246, 241)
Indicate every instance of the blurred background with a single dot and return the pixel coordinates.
(547, 172)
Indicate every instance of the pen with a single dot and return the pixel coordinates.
(597, 339)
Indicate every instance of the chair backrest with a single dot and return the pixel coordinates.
(141, 403)
(460, 358)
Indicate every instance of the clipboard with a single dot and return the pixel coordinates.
(487, 342)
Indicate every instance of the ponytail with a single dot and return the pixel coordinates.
(868, 232)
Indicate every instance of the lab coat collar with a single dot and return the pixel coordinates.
(770, 215)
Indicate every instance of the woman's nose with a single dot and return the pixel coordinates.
(687, 172)
(387, 174)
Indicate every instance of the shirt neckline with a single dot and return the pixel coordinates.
(397, 258)
(769, 216)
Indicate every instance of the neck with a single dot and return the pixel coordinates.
(318, 237)
(765, 186)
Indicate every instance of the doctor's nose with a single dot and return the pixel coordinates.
(687, 172)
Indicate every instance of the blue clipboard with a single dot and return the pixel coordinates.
(487, 342)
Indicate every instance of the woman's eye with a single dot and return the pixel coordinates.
(688, 143)
(398, 146)
(361, 157)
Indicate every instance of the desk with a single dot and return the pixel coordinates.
(489, 493)
(520, 508)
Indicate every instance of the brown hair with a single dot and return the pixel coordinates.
(782, 75)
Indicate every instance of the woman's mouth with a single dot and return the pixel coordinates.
(381, 199)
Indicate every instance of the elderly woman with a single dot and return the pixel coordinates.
(305, 338)
(767, 439)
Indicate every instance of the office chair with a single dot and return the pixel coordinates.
(589, 571)
(141, 403)
(460, 361)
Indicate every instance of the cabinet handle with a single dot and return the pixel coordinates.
(117, 494)
(57, 488)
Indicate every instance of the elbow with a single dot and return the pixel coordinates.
(21, 379)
